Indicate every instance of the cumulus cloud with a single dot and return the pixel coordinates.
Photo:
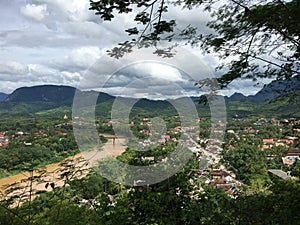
(56, 42)
(78, 59)
(85, 55)
(71, 78)
(195, 17)
(12, 67)
(245, 86)
(149, 79)
(155, 71)
(35, 12)
(72, 10)
(15, 74)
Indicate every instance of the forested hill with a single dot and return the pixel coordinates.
(278, 88)
(43, 93)
(3, 96)
(278, 96)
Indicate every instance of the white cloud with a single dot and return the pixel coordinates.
(245, 86)
(60, 39)
(195, 17)
(85, 56)
(147, 79)
(13, 67)
(84, 29)
(157, 71)
(41, 70)
(71, 10)
(36, 12)
(78, 10)
(71, 78)
(78, 59)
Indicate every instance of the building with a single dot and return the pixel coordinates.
(291, 155)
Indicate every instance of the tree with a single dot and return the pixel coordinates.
(249, 161)
(295, 171)
(260, 37)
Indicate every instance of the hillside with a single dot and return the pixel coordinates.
(237, 97)
(274, 100)
(53, 100)
(287, 105)
(45, 100)
(277, 88)
(3, 96)
(43, 93)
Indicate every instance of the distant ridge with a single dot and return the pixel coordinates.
(270, 91)
(43, 93)
(65, 94)
(237, 97)
(278, 96)
(277, 88)
(3, 96)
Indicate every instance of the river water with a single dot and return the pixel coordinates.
(52, 173)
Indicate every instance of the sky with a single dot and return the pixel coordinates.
(61, 42)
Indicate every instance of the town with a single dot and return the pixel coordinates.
(253, 152)
(276, 141)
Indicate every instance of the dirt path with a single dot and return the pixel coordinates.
(52, 173)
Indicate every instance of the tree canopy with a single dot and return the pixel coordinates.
(252, 38)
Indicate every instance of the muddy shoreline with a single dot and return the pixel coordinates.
(78, 164)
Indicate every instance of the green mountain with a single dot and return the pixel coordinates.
(60, 95)
(287, 105)
(280, 98)
(44, 99)
(3, 96)
(278, 88)
(52, 100)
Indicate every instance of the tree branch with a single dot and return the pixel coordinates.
(250, 43)
(149, 23)
(295, 42)
(275, 64)
(160, 15)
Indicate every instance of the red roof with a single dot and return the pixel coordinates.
(293, 152)
(271, 140)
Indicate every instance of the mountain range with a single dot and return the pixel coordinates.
(3, 96)
(278, 96)
(270, 91)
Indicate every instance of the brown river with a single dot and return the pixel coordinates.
(52, 173)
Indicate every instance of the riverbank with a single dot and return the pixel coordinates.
(76, 166)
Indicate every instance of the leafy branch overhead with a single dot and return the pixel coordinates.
(252, 39)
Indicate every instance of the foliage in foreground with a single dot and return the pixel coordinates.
(261, 38)
(182, 199)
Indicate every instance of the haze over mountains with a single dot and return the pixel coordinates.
(46, 97)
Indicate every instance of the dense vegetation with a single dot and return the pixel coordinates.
(181, 199)
(174, 201)
(34, 142)
(251, 33)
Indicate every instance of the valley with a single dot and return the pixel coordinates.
(54, 173)
(232, 161)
